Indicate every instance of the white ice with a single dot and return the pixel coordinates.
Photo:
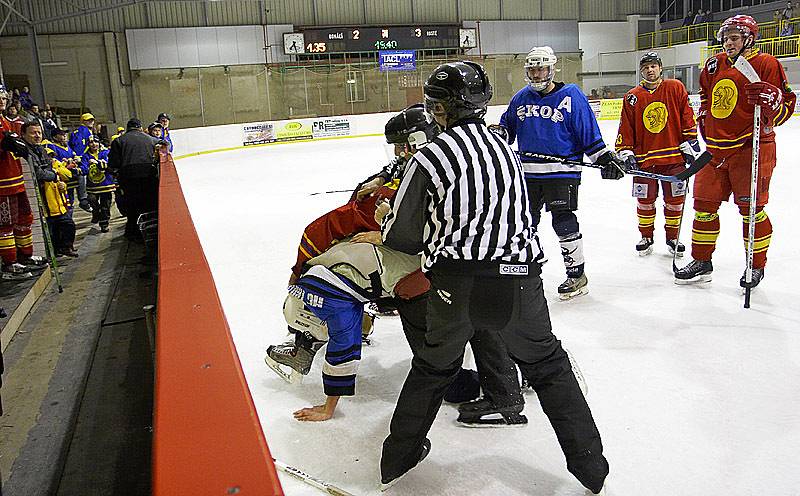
(693, 394)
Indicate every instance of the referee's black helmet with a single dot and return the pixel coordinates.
(461, 89)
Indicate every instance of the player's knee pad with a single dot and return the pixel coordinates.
(565, 223)
(706, 206)
(301, 319)
(745, 209)
(645, 204)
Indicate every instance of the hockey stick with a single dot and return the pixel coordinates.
(743, 66)
(48, 241)
(693, 169)
(310, 479)
(331, 191)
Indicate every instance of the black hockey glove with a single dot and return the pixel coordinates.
(12, 143)
(500, 131)
(613, 166)
(691, 151)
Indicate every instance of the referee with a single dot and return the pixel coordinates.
(462, 203)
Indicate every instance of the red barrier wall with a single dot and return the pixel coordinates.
(207, 437)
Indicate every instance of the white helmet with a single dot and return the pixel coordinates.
(540, 57)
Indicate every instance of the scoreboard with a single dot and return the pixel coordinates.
(371, 39)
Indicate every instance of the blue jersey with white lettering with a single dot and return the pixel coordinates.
(560, 123)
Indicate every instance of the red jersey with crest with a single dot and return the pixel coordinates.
(654, 122)
(11, 181)
(728, 122)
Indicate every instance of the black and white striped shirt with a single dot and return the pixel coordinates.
(463, 198)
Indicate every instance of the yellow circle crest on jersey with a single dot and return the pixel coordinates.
(723, 98)
(655, 117)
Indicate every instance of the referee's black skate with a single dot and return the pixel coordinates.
(387, 482)
(485, 413)
(698, 271)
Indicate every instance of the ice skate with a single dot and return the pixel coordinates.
(644, 247)
(698, 271)
(758, 275)
(485, 413)
(387, 483)
(602, 492)
(15, 272)
(572, 287)
(671, 247)
(297, 356)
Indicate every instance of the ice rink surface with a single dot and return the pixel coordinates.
(693, 394)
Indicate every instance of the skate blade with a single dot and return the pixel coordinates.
(677, 255)
(646, 252)
(705, 278)
(494, 420)
(744, 290)
(292, 377)
(568, 296)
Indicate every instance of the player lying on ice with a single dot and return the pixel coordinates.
(331, 282)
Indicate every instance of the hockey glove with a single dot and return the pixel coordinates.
(12, 143)
(629, 159)
(690, 150)
(500, 131)
(766, 95)
(613, 166)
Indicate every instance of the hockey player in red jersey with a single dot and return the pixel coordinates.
(727, 101)
(656, 121)
(357, 215)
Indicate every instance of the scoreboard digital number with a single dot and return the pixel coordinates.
(371, 39)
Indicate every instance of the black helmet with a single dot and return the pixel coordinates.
(163, 115)
(154, 125)
(649, 58)
(462, 88)
(412, 125)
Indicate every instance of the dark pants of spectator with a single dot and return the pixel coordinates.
(101, 208)
(141, 195)
(460, 303)
(62, 232)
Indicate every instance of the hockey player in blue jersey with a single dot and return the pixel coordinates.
(553, 118)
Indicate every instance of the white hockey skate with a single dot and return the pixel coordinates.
(644, 247)
(572, 287)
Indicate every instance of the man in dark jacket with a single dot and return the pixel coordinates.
(131, 160)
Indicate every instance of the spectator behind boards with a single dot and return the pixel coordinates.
(131, 160)
(163, 119)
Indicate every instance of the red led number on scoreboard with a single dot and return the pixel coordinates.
(316, 47)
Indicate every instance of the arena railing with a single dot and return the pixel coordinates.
(706, 32)
(207, 437)
(784, 46)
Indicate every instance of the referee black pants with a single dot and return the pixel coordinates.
(496, 370)
(515, 307)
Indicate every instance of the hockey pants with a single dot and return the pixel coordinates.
(496, 370)
(515, 307)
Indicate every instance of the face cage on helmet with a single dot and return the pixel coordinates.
(539, 85)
